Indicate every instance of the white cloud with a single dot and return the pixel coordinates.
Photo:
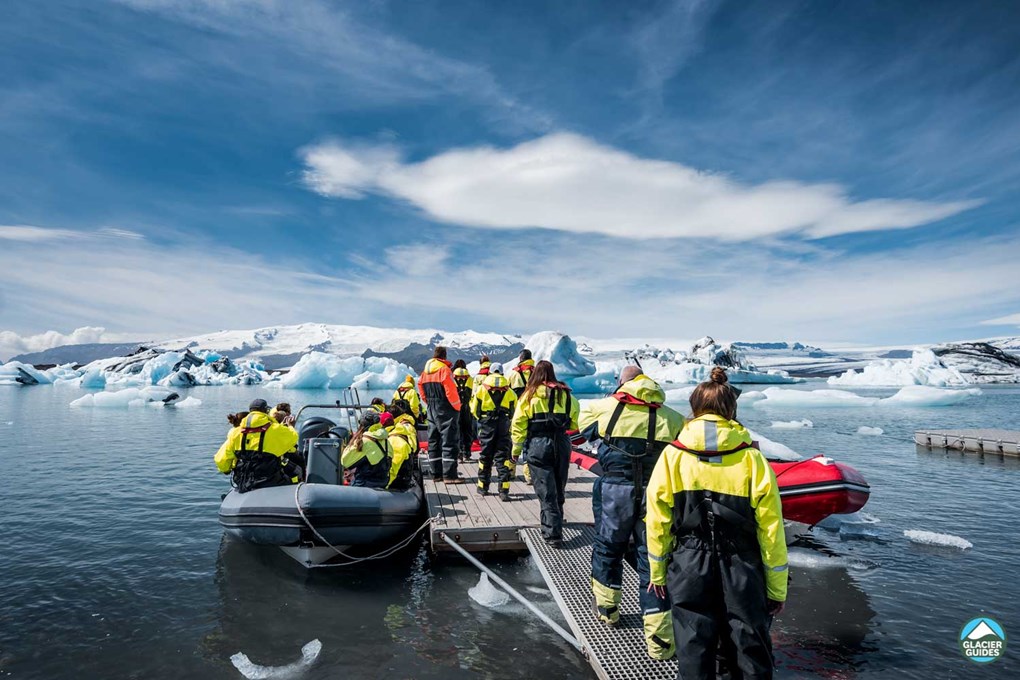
(24, 232)
(571, 183)
(12, 344)
(1009, 320)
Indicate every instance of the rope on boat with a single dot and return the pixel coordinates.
(517, 596)
(351, 560)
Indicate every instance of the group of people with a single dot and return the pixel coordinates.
(692, 505)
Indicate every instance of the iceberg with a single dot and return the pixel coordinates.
(923, 368)
(935, 539)
(919, 395)
(93, 379)
(17, 373)
(561, 351)
(787, 398)
(791, 424)
(667, 366)
(319, 370)
(870, 431)
(130, 397)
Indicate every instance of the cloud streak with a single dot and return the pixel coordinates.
(571, 183)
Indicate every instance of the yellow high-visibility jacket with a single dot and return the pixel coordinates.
(536, 405)
(482, 404)
(520, 374)
(279, 439)
(717, 462)
(402, 447)
(406, 390)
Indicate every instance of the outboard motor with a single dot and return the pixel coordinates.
(313, 427)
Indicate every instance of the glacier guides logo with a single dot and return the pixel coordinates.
(982, 640)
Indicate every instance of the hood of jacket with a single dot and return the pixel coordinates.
(714, 433)
(643, 389)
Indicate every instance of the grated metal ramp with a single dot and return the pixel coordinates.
(614, 653)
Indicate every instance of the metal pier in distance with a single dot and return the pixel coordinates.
(485, 523)
(616, 653)
(998, 442)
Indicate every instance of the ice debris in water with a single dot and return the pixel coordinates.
(774, 450)
(871, 431)
(923, 368)
(936, 539)
(805, 558)
(487, 594)
(913, 396)
(130, 397)
(253, 671)
(791, 424)
(919, 395)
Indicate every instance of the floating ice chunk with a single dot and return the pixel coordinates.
(189, 402)
(791, 424)
(940, 540)
(750, 396)
(680, 394)
(923, 368)
(319, 370)
(919, 395)
(783, 397)
(93, 379)
(604, 378)
(127, 398)
(775, 450)
(561, 351)
(253, 671)
(486, 594)
(17, 373)
(805, 558)
(870, 431)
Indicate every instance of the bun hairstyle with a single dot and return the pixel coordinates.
(715, 396)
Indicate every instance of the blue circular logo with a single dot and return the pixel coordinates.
(982, 640)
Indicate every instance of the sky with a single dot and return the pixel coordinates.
(838, 171)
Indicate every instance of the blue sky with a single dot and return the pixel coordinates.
(797, 170)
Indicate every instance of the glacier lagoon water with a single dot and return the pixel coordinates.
(113, 564)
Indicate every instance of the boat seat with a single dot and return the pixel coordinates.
(323, 460)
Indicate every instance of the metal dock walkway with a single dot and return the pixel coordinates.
(485, 523)
(614, 653)
(999, 442)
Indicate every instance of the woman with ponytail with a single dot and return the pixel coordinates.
(715, 539)
(545, 412)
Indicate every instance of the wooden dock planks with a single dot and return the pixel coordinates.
(485, 523)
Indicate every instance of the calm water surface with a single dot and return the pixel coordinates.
(113, 564)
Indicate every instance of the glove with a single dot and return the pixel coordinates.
(774, 607)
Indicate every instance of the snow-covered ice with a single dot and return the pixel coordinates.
(129, 397)
(253, 671)
(559, 349)
(919, 395)
(17, 373)
(935, 539)
(911, 396)
(870, 431)
(923, 368)
(93, 379)
(319, 370)
(774, 450)
(791, 424)
(486, 594)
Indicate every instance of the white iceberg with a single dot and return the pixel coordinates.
(325, 371)
(17, 373)
(923, 368)
(789, 398)
(867, 430)
(919, 395)
(791, 424)
(253, 671)
(93, 379)
(935, 539)
(775, 450)
(129, 397)
(561, 351)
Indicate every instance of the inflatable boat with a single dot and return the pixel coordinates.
(811, 489)
(319, 519)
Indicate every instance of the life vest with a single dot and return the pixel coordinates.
(255, 468)
(551, 423)
(364, 473)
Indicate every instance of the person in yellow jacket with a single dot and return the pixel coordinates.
(253, 451)
(484, 365)
(366, 458)
(403, 446)
(545, 411)
(632, 427)
(493, 405)
(716, 541)
(521, 373)
(466, 389)
(407, 391)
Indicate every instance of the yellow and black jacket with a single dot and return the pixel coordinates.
(713, 492)
(254, 452)
(550, 410)
(369, 464)
(493, 398)
(406, 391)
(520, 374)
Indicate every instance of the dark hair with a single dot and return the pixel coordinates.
(439, 352)
(377, 400)
(485, 357)
(369, 419)
(715, 396)
(543, 374)
(235, 419)
(399, 407)
(525, 355)
(459, 363)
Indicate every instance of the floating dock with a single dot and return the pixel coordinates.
(616, 653)
(485, 523)
(997, 442)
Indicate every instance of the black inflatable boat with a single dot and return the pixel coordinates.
(352, 519)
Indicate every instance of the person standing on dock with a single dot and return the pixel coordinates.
(716, 540)
(521, 373)
(439, 392)
(493, 405)
(465, 388)
(545, 411)
(632, 427)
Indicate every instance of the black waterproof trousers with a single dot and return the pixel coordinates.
(494, 436)
(548, 458)
(467, 430)
(444, 439)
(719, 607)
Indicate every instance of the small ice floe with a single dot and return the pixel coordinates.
(856, 526)
(921, 395)
(487, 594)
(253, 671)
(804, 558)
(791, 424)
(774, 450)
(870, 431)
(938, 540)
(129, 398)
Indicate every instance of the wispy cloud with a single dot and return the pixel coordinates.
(1008, 320)
(571, 183)
(24, 232)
